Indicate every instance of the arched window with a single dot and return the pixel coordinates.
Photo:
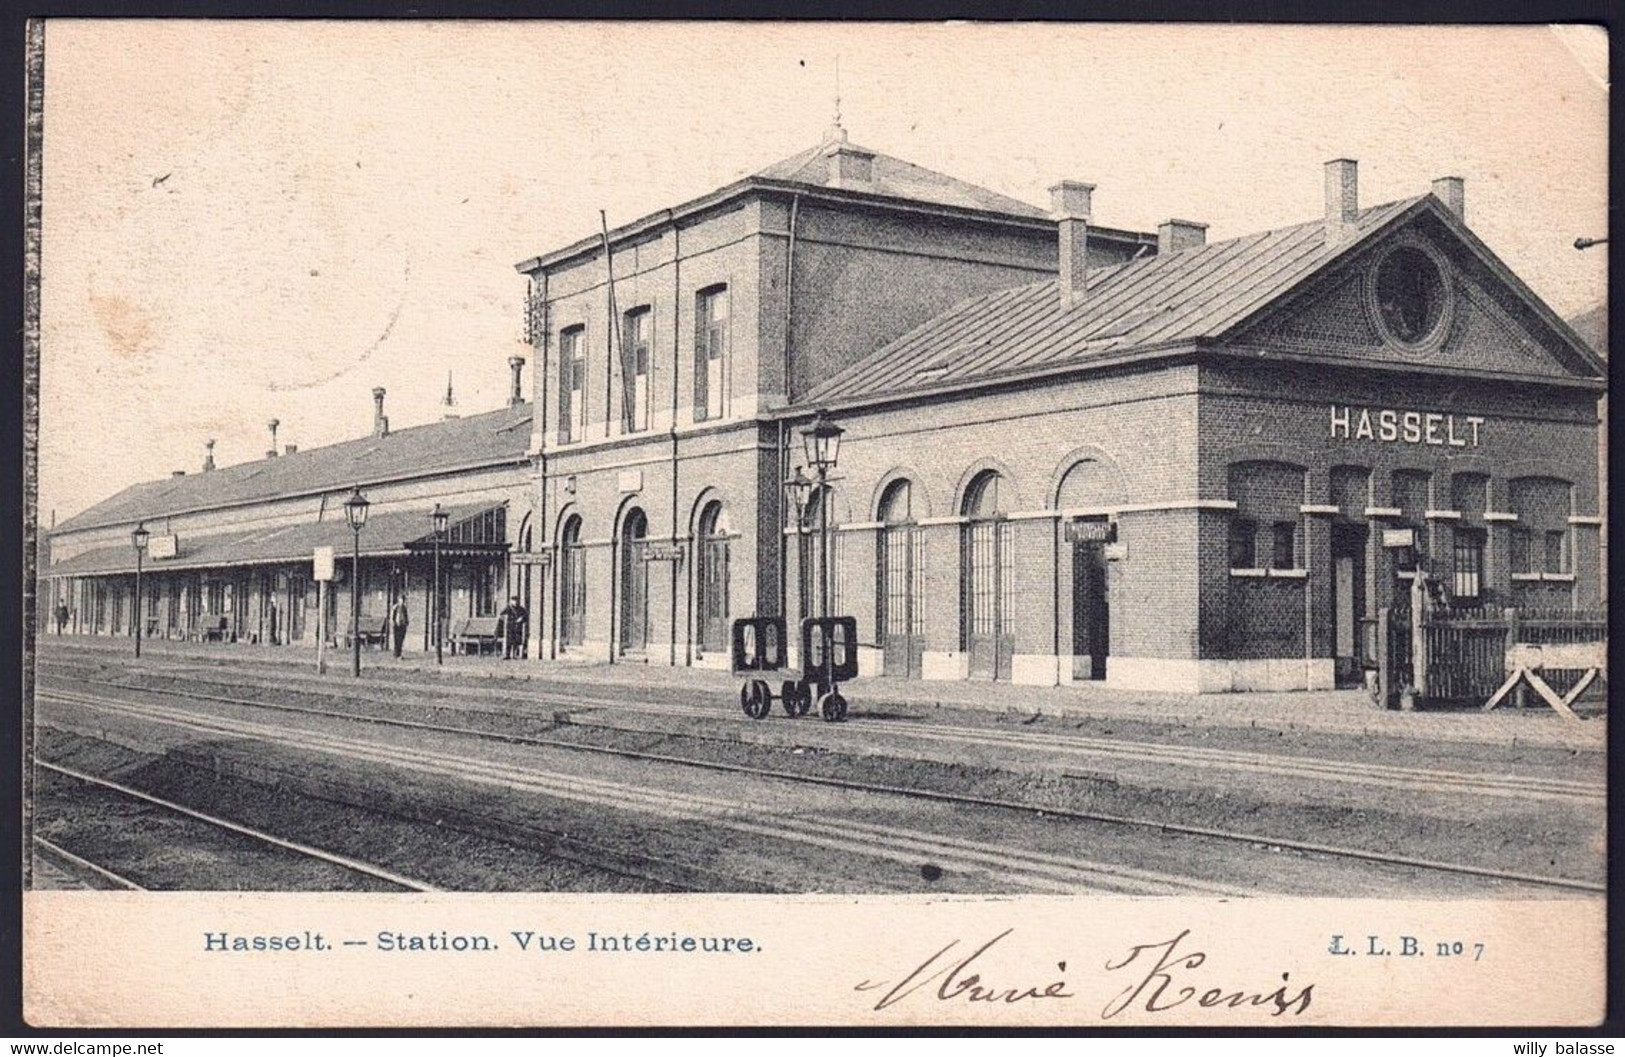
(988, 585)
(817, 588)
(634, 582)
(572, 585)
(711, 577)
(899, 597)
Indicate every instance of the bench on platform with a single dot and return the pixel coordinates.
(215, 630)
(374, 635)
(477, 632)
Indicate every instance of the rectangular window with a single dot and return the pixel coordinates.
(1522, 552)
(1243, 543)
(710, 354)
(1468, 565)
(635, 371)
(1554, 552)
(572, 385)
(1283, 545)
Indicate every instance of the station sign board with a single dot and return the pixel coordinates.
(662, 552)
(531, 557)
(322, 560)
(166, 546)
(1394, 538)
(1096, 530)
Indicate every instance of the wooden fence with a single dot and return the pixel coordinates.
(1467, 649)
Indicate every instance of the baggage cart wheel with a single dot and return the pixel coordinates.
(755, 698)
(832, 706)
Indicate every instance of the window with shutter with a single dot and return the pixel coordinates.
(710, 353)
(635, 371)
(572, 385)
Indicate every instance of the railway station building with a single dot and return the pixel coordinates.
(1071, 452)
(229, 556)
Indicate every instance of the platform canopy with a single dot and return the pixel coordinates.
(471, 531)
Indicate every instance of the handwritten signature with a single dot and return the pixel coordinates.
(959, 983)
(1161, 973)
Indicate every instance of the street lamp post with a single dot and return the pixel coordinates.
(139, 537)
(439, 531)
(355, 512)
(822, 443)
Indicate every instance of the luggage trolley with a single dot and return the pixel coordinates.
(828, 653)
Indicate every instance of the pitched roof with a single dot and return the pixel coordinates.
(416, 451)
(1592, 325)
(890, 178)
(1152, 301)
(385, 533)
(894, 178)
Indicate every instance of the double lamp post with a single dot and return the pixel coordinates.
(821, 443)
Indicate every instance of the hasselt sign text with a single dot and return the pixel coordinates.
(1405, 427)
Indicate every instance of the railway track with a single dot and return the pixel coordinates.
(1072, 746)
(1023, 869)
(842, 836)
(376, 873)
(74, 867)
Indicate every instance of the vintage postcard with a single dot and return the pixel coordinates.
(613, 524)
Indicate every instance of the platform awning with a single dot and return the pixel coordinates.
(469, 534)
(393, 533)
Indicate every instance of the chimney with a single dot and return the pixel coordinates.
(289, 449)
(380, 421)
(208, 455)
(1452, 191)
(177, 473)
(516, 393)
(272, 425)
(848, 165)
(1342, 194)
(1070, 204)
(1176, 235)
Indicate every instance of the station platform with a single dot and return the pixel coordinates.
(1330, 711)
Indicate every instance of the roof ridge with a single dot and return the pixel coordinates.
(400, 453)
(1102, 320)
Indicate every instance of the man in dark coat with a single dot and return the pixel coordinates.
(399, 618)
(514, 618)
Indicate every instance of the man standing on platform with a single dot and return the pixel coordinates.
(514, 618)
(398, 620)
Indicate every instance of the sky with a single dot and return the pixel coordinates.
(246, 221)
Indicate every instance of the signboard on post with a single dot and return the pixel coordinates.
(1399, 537)
(166, 546)
(322, 560)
